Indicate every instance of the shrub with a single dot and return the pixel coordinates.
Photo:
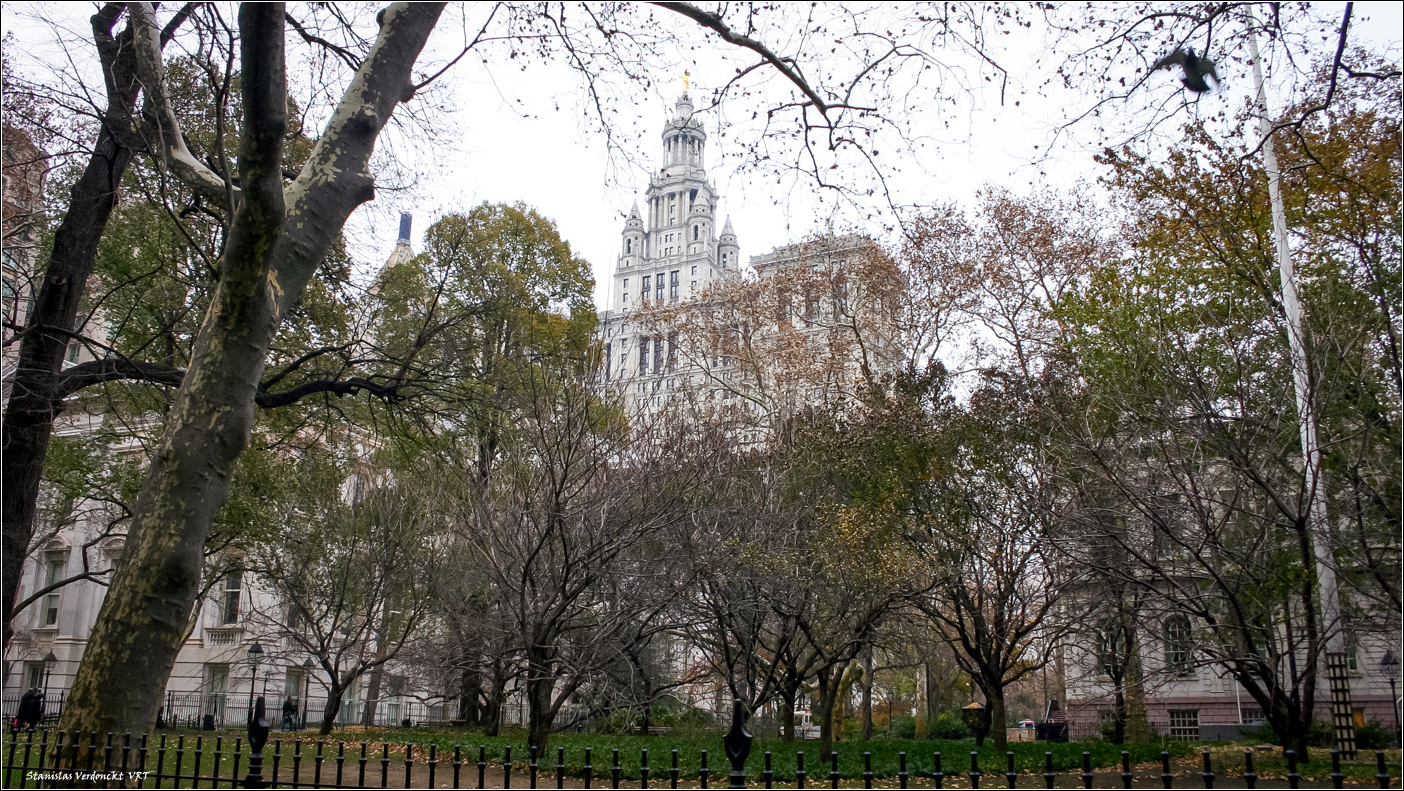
(903, 727)
(948, 725)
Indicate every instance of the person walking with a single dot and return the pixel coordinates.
(289, 714)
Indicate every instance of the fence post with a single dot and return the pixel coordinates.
(1009, 774)
(1048, 775)
(1167, 779)
(704, 772)
(643, 768)
(589, 770)
(433, 763)
(974, 769)
(1087, 776)
(409, 763)
(937, 775)
(867, 769)
(799, 769)
(674, 771)
(258, 736)
(507, 766)
(769, 774)
(1294, 780)
(614, 770)
(1337, 779)
(482, 767)
(1126, 775)
(901, 769)
(833, 769)
(737, 742)
(531, 767)
(1383, 776)
(1208, 773)
(560, 768)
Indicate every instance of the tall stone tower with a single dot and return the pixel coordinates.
(668, 252)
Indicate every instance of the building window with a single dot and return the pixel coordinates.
(659, 292)
(694, 271)
(1184, 725)
(647, 281)
(1253, 716)
(229, 613)
(1179, 644)
(216, 686)
(673, 285)
(608, 357)
(643, 355)
(73, 350)
(657, 354)
(53, 573)
(695, 230)
(36, 675)
(628, 246)
(1111, 650)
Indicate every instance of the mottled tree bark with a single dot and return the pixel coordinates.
(275, 245)
(35, 400)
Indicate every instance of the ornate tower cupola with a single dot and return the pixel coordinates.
(683, 138)
(632, 246)
(728, 249)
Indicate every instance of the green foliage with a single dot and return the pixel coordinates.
(948, 725)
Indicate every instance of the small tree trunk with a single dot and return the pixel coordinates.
(333, 708)
(828, 682)
(539, 687)
(470, 690)
(1137, 725)
(788, 693)
(867, 706)
(995, 698)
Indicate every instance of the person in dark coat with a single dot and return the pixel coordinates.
(289, 714)
(31, 708)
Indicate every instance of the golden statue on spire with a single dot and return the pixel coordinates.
(686, 84)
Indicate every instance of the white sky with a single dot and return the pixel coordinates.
(517, 135)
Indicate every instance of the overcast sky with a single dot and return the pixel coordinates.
(518, 134)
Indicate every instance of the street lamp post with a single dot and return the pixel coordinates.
(307, 667)
(1390, 665)
(50, 662)
(255, 659)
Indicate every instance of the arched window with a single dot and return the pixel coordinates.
(1179, 645)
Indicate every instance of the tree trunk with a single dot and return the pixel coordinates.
(373, 696)
(788, 692)
(867, 707)
(496, 699)
(333, 708)
(539, 688)
(1137, 725)
(994, 697)
(34, 402)
(266, 265)
(828, 681)
(470, 690)
(933, 693)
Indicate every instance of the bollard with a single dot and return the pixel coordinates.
(867, 770)
(938, 775)
(1167, 778)
(1250, 778)
(531, 768)
(901, 769)
(1208, 773)
(1383, 777)
(1086, 769)
(1126, 776)
(643, 768)
(614, 770)
(507, 766)
(1337, 779)
(974, 769)
(1048, 774)
(799, 769)
(833, 770)
(560, 767)
(704, 772)
(589, 769)
(1009, 774)
(1294, 780)
(674, 771)
(482, 766)
(769, 775)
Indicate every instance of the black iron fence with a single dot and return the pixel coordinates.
(222, 710)
(65, 760)
(53, 707)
